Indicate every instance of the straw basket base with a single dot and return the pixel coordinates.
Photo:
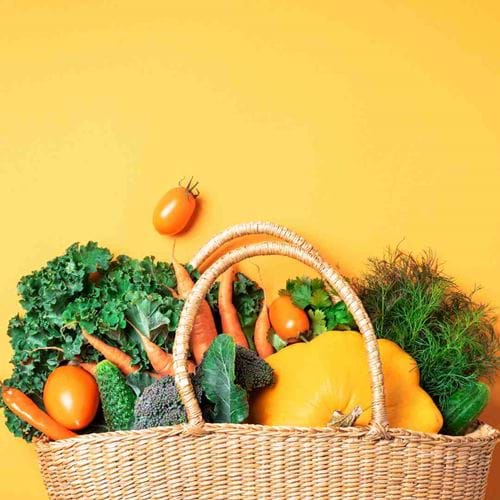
(250, 461)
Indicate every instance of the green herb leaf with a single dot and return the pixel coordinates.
(301, 295)
(318, 323)
(217, 375)
(338, 317)
(320, 299)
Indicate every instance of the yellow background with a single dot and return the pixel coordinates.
(358, 124)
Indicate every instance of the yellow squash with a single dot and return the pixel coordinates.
(330, 373)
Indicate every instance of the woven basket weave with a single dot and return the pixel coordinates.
(219, 461)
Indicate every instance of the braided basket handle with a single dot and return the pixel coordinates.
(344, 290)
(250, 228)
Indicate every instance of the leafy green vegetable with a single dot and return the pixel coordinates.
(318, 321)
(313, 296)
(217, 375)
(138, 381)
(338, 317)
(412, 302)
(38, 338)
(84, 288)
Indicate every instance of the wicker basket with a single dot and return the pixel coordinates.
(218, 461)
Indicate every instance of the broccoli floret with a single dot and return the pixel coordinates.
(251, 371)
(160, 404)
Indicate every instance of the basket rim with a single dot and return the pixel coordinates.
(483, 433)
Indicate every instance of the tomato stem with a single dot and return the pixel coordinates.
(191, 188)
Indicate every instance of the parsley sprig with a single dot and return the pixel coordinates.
(315, 297)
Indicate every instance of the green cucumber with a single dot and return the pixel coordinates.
(464, 406)
(117, 398)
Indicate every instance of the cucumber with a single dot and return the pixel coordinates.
(117, 398)
(464, 406)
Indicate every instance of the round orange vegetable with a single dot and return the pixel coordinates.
(71, 397)
(329, 376)
(287, 320)
(174, 211)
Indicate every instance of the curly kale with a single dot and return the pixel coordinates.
(251, 371)
(85, 288)
(112, 299)
(160, 404)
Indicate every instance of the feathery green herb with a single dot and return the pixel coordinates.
(413, 303)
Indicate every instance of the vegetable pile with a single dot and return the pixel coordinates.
(85, 306)
(93, 346)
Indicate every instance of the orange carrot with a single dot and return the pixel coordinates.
(161, 361)
(184, 281)
(116, 356)
(228, 313)
(25, 408)
(88, 367)
(204, 329)
(263, 347)
(173, 292)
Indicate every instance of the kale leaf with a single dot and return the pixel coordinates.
(217, 375)
(85, 288)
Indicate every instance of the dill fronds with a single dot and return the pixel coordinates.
(413, 303)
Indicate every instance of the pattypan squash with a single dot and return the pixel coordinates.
(318, 381)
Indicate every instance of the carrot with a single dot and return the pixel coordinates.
(116, 356)
(228, 313)
(204, 329)
(263, 347)
(88, 367)
(184, 281)
(25, 408)
(161, 361)
(173, 292)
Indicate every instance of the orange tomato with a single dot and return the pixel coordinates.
(71, 397)
(287, 320)
(174, 211)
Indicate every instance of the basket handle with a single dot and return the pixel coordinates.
(249, 228)
(346, 293)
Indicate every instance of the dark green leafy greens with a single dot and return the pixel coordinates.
(217, 375)
(112, 299)
(85, 288)
(138, 381)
